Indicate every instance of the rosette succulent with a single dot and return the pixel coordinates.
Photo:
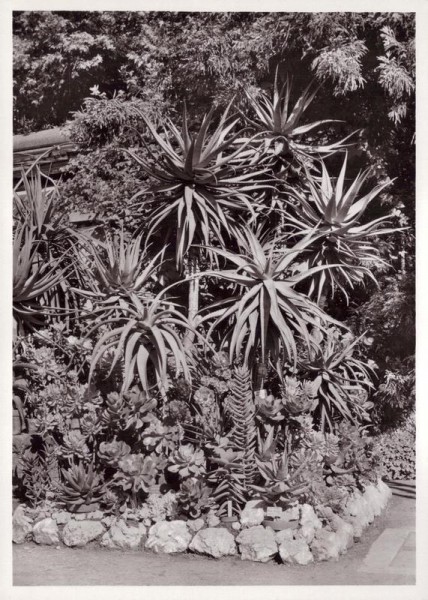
(82, 486)
(187, 461)
(112, 452)
(136, 472)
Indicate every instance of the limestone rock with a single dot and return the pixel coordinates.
(326, 545)
(309, 522)
(285, 535)
(291, 514)
(62, 517)
(80, 533)
(344, 533)
(96, 515)
(257, 544)
(195, 525)
(236, 526)
(21, 526)
(295, 552)
(385, 493)
(46, 532)
(214, 541)
(253, 514)
(123, 536)
(212, 520)
(169, 537)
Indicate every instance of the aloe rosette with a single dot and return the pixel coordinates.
(202, 180)
(266, 312)
(345, 242)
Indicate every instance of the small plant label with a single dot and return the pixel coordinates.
(274, 511)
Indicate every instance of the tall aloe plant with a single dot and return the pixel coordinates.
(201, 181)
(344, 240)
(280, 124)
(266, 313)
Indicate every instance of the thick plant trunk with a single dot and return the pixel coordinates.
(193, 269)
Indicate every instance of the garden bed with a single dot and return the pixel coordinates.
(310, 535)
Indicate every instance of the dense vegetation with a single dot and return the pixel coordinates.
(243, 311)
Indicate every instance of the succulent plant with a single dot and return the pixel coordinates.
(82, 486)
(269, 407)
(75, 445)
(136, 472)
(187, 461)
(194, 497)
(113, 452)
(298, 397)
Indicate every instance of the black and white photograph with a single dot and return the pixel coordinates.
(212, 246)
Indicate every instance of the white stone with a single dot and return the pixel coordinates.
(108, 521)
(309, 523)
(214, 541)
(236, 526)
(325, 545)
(212, 520)
(80, 533)
(46, 532)
(291, 514)
(80, 516)
(61, 517)
(21, 526)
(195, 525)
(295, 552)
(96, 515)
(123, 536)
(344, 533)
(169, 537)
(253, 514)
(285, 535)
(385, 492)
(257, 544)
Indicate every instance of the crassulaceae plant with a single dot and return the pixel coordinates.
(346, 242)
(82, 486)
(112, 452)
(201, 180)
(298, 397)
(194, 497)
(136, 473)
(187, 461)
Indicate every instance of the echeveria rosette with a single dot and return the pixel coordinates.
(187, 461)
(112, 452)
(136, 472)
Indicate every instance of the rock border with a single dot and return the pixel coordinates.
(314, 535)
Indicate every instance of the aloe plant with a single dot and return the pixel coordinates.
(82, 486)
(338, 375)
(345, 243)
(144, 335)
(35, 280)
(267, 313)
(282, 483)
(280, 125)
(201, 180)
